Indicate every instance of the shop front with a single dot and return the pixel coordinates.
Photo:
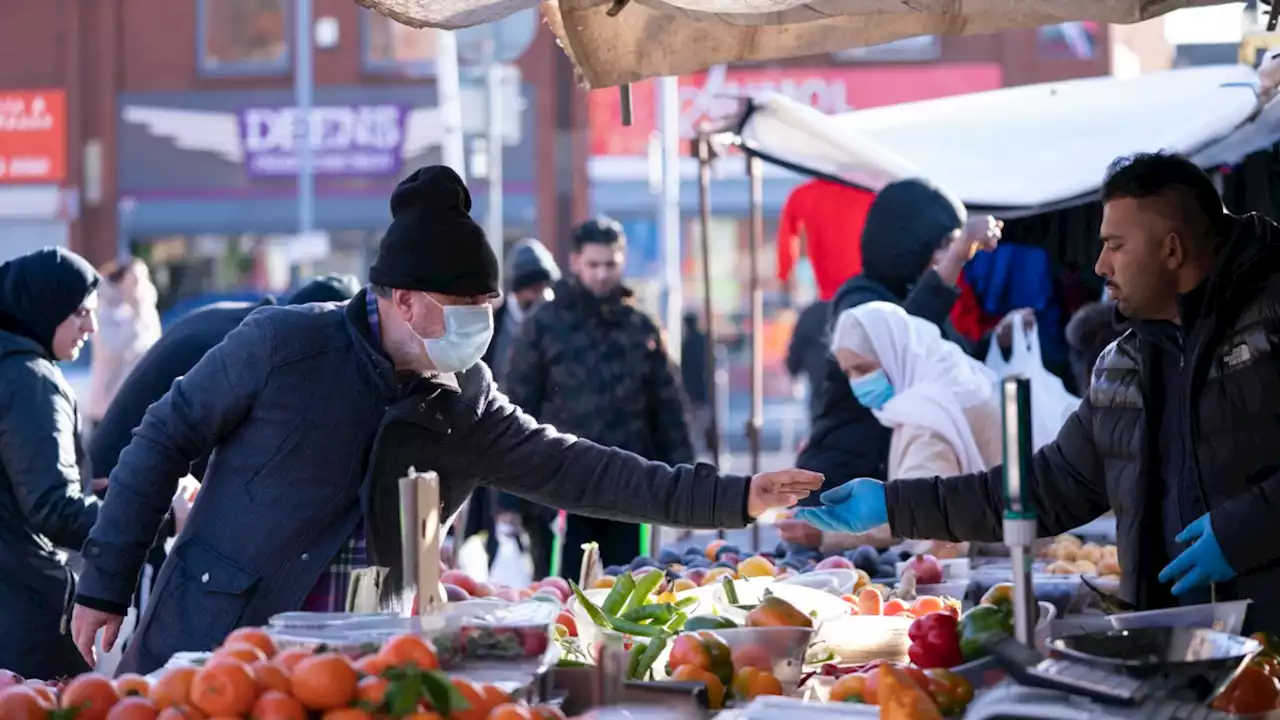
(208, 182)
(35, 209)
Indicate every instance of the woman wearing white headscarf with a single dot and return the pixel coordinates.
(128, 325)
(939, 403)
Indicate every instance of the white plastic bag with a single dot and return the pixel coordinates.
(1051, 403)
(510, 567)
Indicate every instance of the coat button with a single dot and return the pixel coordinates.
(422, 406)
(204, 578)
(306, 556)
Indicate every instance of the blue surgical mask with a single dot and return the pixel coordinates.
(872, 390)
(467, 332)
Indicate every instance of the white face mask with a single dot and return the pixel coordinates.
(467, 332)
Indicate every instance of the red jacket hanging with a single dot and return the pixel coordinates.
(823, 220)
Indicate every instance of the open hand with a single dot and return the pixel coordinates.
(780, 488)
(854, 507)
(1201, 564)
(799, 532)
(85, 624)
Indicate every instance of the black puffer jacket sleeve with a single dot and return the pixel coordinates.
(1067, 483)
(38, 454)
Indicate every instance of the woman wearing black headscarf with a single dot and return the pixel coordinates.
(47, 303)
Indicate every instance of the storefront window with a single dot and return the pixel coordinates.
(392, 47)
(243, 36)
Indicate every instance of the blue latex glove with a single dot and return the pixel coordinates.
(1201, 564)
(854, 507)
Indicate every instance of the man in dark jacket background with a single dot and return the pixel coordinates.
(174, 354)
(592, 364)
(531, 271)
(1178, 432)
(47, 304)
(915, 243)
(810, 350)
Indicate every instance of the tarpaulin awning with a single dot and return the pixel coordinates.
(1022, 149)
(653, 38)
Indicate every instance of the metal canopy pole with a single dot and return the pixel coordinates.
(705, 156)
(756, 419)
(1019, 513)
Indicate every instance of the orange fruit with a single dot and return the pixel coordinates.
(270, 676)
(256, 637)
(715, 688)
(224, 688)
(173, 689)
(133, 684)
(478, 707)
(405, 650)
(371, 664)
(133, 708)
(324, 682)
(347, 714)
(180, 712)
(511, 711)
(372, 689)
(245, 653)
(287, 659)
(870, 602)
(276, 705)
(751, 683)
(713, 547)
(20, 702)
(423, 715)
(494, 695)
(927, 604)
(92, 694)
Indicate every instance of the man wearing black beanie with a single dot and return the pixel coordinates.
(313, 413)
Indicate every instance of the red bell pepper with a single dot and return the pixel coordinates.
(935, 641)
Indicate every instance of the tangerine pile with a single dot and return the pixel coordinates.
(247, 678)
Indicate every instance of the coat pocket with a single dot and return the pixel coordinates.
(203, 599)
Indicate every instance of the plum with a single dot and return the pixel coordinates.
(669, 557)
(781, 550)
(615, 570)
(693, 550)
(884, 570)
(698, 562)
(725, 564)
(641, 561)
(866, 558)
(732, 558)
(728, 550)
(453, 593)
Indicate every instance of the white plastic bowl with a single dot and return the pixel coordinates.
(819, 605)
(836, 581)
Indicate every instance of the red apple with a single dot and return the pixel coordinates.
(553, 591)
(927, 569)
(8, 678)
(461, 579)
(508, 594)
(835, 562)
(452, 593)
(484, 590)
(558, 583)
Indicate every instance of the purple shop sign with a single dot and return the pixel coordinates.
(345, 140)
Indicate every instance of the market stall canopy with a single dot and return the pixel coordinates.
(652, 38)
(1024, 149)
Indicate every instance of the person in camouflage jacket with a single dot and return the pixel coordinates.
(592, 364)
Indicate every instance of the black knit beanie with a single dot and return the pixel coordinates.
(433, 245)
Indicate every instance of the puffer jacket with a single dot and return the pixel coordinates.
(1105, 459)
(598, 368)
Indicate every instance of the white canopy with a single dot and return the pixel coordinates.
(652, 38)
(1024, 147)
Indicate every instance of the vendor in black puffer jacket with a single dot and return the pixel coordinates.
(1181, 425)
(47, 303)
(914, 245)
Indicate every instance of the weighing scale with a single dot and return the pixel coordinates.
(1051, 689)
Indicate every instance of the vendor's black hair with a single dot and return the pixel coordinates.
(1188, 189)
(599, 230)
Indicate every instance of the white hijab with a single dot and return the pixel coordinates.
(933, 379)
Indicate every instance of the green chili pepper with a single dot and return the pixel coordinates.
(650, 656)
(633, 660)
(678, 621)
(644, 588)
(567, 663)
(618, 595)
(685, 603)
(657, 613)
(589, 607)
(634, 628)
(730, 593)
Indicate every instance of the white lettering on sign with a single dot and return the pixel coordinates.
(17, 116)
(21, 167)
(332, 128)
(720, 94)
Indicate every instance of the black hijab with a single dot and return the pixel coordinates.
(908, 221)
(40, 290)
